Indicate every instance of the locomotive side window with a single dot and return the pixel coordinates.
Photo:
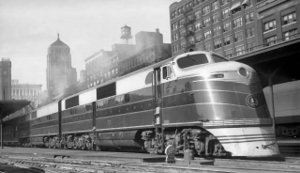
(192, 60)
(73, 101)
(167, 72)
(218, 58)
(106, 91)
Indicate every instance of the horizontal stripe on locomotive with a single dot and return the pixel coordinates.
(246, 137)
(140, 106)
(126, 114)
(200, 124)
(251, 121)
(76, 132)
(45, 124)
(79, 117)
(44, 130)
(43, 127)
(211, 96)
(131, 119)
(196, 83)
(41, 135)
(109, 129)
(249, 140)
(133, 97)
(39, 120)
(207, 112)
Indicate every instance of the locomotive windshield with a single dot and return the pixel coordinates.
(192, 60)
(218, 58)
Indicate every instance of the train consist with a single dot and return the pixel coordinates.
(286, 108)
(197, 100)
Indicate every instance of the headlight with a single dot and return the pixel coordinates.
(243, 72)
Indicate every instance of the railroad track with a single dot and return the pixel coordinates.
(108, 166)
(118, 162)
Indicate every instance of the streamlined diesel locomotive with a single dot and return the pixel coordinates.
(196, 100)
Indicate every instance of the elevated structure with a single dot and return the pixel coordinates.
(7, 107)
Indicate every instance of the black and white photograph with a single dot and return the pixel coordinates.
(149, 86)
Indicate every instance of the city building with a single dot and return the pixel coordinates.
(30, 92)
(96, 65)
(5, 79)
(279, 20)
(124, 58)
(231, 27)
(60, 73)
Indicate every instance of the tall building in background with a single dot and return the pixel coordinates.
(30, 92)
(231, 27)
(60, 74)
(5, 79)
(125, 58)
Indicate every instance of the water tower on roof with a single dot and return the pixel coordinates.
(126, 33)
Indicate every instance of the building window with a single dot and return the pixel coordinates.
(225, 13)
(190, 28)
(247, 3)
(191, 18)
(224, 2)
(250, 32)
(191, 40)
(174, 48)
(290, 34)
(173, 14)
(271, 40)
(206, 21)
(181, 23)
(207, 46)
(215, 5)
(199, 37)
(240, 50)
(227, 40)
(227, 26)
(269, 25)
(228, 53)
(196, 2)
(180, 10)
(197, 25)
(206, 10)
(250, 46)
(198, 14)
(182, 33)
(217, 30)
(174, 26)
(217, 43)
(289, 18)
(207, 34)
(236, 8)
(249, 17)
(216, 17)
(238, 36)
(237, 22)
(182, 44)
(175, 37)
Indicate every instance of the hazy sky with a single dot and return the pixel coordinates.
(28, 27)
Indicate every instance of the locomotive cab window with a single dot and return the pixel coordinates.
(167, 72)
(218, 58)
(192, 60)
